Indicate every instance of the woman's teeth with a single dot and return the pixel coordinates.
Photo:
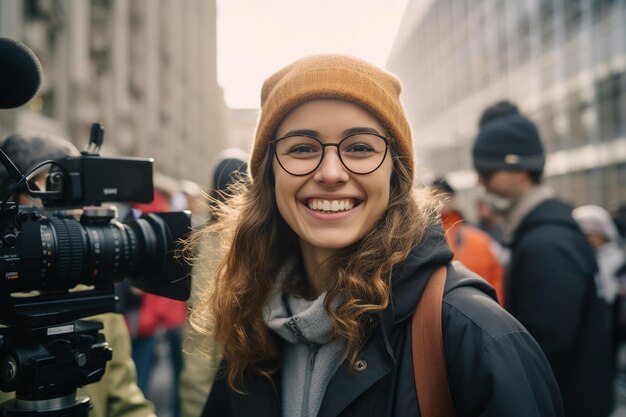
(328, 205)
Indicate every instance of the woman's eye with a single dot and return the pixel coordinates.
(359, 148)
(303, 148)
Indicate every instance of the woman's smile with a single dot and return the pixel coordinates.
(330, 206)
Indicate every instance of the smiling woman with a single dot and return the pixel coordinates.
(327, 251)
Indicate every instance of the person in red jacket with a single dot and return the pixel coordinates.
(471, 246)
(157, 316)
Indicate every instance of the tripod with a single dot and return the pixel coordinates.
(46, 353)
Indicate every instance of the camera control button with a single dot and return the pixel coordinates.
(80, 358)
(9, 369)
(23, 216)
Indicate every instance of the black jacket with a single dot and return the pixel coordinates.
(550, 289)
(495, 368)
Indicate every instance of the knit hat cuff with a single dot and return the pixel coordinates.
(510, 162)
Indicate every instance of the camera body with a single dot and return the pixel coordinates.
(59, 263)
(75, 240)
(92, 179)
(52, 251)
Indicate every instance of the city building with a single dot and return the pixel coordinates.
(562, 61)
(146, 69)
(241, 127)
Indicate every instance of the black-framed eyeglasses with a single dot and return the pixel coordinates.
(361, 153)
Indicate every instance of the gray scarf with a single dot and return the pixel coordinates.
(525, 204)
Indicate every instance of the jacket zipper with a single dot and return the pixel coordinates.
(313, 349)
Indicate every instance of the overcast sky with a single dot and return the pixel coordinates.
(257, 37)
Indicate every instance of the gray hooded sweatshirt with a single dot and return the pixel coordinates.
(310, 355)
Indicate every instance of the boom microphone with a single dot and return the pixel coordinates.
(20, 74)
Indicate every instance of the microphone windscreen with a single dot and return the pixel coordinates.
(20, 74)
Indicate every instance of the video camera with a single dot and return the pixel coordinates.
(46, 352)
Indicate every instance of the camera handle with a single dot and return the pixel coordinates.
(45, 366)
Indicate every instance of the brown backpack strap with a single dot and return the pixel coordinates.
(429, 359)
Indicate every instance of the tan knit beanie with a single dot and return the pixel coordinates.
(332, 76)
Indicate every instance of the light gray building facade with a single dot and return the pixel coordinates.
(562, 61)
(146, 69)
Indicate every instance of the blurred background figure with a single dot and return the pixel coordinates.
(488, 218)
(190, 197)
(473, 247)
(230, 167)
(600, 231)
(550, 282)
(117, 393)
(618, 215)
(156, 322)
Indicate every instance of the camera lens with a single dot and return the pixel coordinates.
(57, 252)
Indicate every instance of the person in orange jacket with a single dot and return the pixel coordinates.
(471, 246)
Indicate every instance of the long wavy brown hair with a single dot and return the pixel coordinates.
(256, 243)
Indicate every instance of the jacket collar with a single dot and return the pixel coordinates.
(408, 282)
(525, 204)
(410, 277)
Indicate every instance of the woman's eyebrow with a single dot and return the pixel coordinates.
(354, 130)
(305, 132)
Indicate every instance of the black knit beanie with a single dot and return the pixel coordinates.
(227, 172)
(510, 142)
(441, 184)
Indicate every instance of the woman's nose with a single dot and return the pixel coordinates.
(331, 170)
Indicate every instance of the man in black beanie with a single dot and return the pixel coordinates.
(550, 286)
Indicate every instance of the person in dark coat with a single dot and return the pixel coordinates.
(328, 249)
(550, 285)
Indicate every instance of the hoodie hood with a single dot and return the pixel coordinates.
(549, 212)
(555, 218)
(410, 278)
